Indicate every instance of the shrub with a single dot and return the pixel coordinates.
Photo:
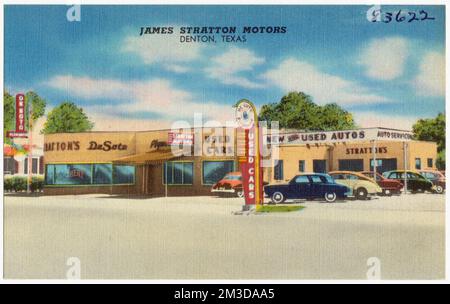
(7, 184)
(19, 183)
(37, 184)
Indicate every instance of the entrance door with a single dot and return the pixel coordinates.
(155, 186)
(351, 165)
(320, 166)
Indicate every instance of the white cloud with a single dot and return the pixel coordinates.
(227, 66)
(368, 119)
(160, 48)
(176, 68)
(87, 87)
(132, 97)
(430, 80)
(384, 58)
(295, 75)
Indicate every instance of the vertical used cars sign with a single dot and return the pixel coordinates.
(250, 165)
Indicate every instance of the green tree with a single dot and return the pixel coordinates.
(67, 117)
(9, 122)
(9, 110)
(296, 110)
(440, 161)
(433, 129)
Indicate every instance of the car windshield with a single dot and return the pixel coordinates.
(232, 177)
(301, 179)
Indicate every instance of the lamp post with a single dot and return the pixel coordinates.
(30, 146)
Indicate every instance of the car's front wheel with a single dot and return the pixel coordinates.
(240, 193)
(361, 193)
(277, 198)
(387, 192)
(439, 189)
(330, 197)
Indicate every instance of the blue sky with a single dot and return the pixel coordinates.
(386, 74)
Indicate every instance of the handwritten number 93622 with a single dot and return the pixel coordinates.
(399, 16)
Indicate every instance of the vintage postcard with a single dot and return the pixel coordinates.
(224, 142)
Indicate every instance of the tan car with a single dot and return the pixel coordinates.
(361, 185)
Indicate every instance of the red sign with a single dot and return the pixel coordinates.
(15, 134)
(248, 170)
(20, 113)
(180, 139)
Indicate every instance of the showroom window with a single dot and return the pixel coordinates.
(278, 170)
(50, 174)
(72, 174)
(178, 173)
(430, 163)
(213, 171)
(418, 164)
(102, 174)
(123, 174)
(88, 174)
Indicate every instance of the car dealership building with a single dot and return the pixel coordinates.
(189, 162)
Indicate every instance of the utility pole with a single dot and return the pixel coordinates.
(30, 145)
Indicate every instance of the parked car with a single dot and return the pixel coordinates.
(362, 186)
(415, 181)
(307, 186)
(437, 178)
(388, 186)
(229, 184)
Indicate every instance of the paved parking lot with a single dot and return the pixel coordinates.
(200, 238)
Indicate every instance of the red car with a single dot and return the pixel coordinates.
(437, 178)
(230, 184)
(389, 186)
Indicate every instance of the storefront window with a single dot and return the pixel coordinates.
(178, 173)
(102, 174)
(278, 170)
(8, 165)
(301, 166)
(34, 166)
(50, 174)
(73, 174)
(213, 171)
(88, 174)
(418, 164)
(123, 174)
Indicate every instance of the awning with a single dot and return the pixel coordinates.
(147, 157)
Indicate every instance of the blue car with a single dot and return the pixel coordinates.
(307, 186)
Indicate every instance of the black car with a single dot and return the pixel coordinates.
(415, 182)
(307, 186)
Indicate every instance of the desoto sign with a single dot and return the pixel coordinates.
(105, 146)
(20, 113)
